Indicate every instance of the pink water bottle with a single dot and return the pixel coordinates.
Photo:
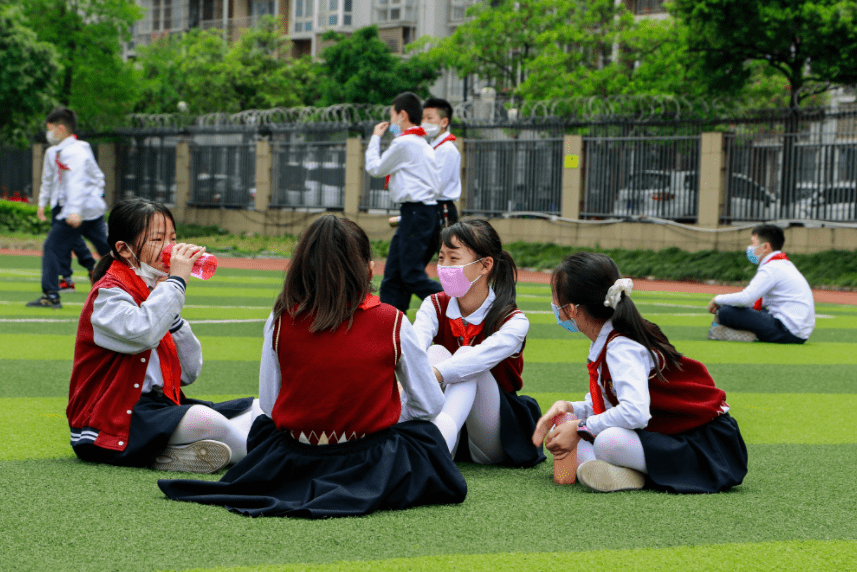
(565, 470)
(203, 268)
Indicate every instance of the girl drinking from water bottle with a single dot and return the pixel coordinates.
(337, 438)
(652, 416)
(479, 336)
(134, 352)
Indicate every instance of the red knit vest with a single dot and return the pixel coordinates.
(686, 400)
(340, 385)
(507, 372)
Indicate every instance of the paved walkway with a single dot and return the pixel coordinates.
(821, 296)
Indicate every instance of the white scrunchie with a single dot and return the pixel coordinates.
(614, 294)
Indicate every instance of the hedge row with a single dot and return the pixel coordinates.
(21, 217)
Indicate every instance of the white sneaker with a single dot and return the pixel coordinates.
(603, 477)
(726, 334)
(204, 456)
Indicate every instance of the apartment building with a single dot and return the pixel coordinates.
(400, 22)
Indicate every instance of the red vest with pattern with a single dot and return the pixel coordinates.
(686, 400)
(339, 385)
(507, 372)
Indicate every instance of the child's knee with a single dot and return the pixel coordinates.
(611, 440)
(464, 350)
(437, 354)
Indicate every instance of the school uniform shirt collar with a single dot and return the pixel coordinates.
(65, 143)
(453, 312)
(768, 257)
(439, 138)
(598, 345)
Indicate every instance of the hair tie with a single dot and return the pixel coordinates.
(614, 294)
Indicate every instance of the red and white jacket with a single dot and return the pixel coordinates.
(113, 359)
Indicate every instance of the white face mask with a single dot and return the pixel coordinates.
(52, 138)
(431, 129)
(148, 274)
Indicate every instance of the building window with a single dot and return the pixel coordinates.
(394, 10)
(303, 16)
(642, 7)
(458, 10)
(261, 8)
(328, 13)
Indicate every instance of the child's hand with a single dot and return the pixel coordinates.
(563, 439)
(713, 306)
(545, 423)
(381, 128)
(182, 258)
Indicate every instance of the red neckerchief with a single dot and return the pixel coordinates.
(781, 256)
(418, 130)
(449, 137)
(60, 166)
(594, 389)
(464, 331)
(171, 367)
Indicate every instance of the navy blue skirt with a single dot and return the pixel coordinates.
(708, 459)
(518, 417)
(153, 421)
(404, 466)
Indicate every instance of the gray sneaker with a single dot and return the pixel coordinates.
(602, 477)
(204, 456)
(45, 302)
(725, 334)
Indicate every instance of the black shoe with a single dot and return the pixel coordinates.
(46, 302)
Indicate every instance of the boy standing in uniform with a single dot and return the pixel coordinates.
(73, 184)
(413, 182)
(437, 115)
(777, 306)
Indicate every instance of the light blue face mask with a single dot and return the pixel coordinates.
(569, 324)
(395, 129)
(750, 256)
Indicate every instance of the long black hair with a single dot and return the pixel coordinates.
(129, 222)
(483, 240)
(584, 278)
(329, 274)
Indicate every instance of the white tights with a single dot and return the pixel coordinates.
(616, 446)
(201, 422)
(475, 403)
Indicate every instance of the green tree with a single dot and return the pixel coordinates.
(27, 69)
(95, 81)
(361, 69)
(812, 43)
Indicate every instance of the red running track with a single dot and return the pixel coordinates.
(281, 264)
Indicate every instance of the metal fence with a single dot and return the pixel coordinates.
(308, 174)
(222, 170)
(641, 176)
(16, 174)
(146, 168)
(513, 176)
(809, 175)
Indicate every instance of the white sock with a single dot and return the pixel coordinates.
(448, 429)
(621, 447)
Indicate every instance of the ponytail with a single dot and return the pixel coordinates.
(592, 280)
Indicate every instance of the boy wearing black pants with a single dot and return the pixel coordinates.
(413, 183)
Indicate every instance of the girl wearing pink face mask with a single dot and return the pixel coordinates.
(479, 335)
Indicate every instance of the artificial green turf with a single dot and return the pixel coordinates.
(796, 493)
(762, 556)
(796, 406)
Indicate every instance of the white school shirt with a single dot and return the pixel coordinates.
(120, 325)
(410, 162)
(422, 397)
(629, 363)
(449, 168)
(79, 190)
(506, 341)
(784, 292)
